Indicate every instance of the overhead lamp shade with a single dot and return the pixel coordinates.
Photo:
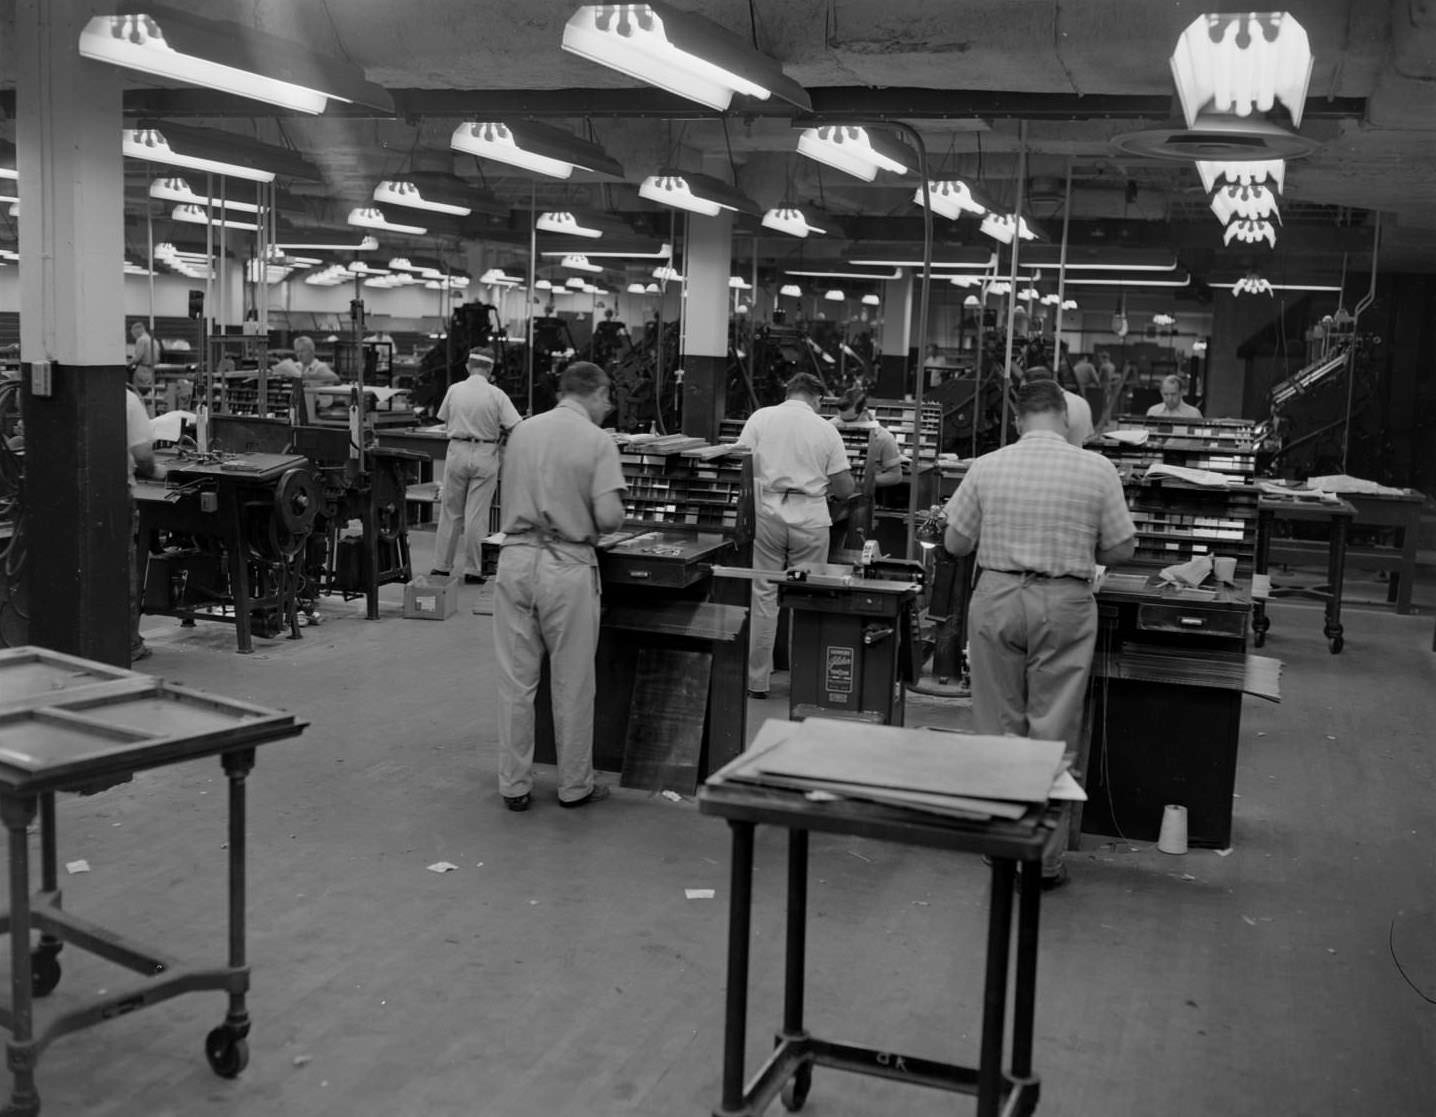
(578, 262)
(1028, 294)
(1086, 259)
(15, 208)
(999, 287)
(575, 283)
(651, 289)
(667, 274)
(8, 167)
(1250, 232)
(697, 193)
(791, 221)
(1003, 226)
(408, 193)
(1252, 284)
(178, 190)
(368, 217)
(791, 290)
(543, 285)
(622, 248)
(324, 240)
(834, 295)
(859, 151)
(1269, 172)
(1050, 300)
(971, 301)
(1234, 63)
(871, 299)
(418, 265)
(678, 51)
(1253, 203)
(230, 57)
(8, 194)
(199, 215)
(738, 283)
(951, 198)
(567, 223)
(635, 288)
(534, 147)
(1069, 304)
(1163, 320)
(965, 280)
(218, 152)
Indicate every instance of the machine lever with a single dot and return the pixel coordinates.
(875, 632)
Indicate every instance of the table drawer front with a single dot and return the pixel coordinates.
(841, 601)
(635, 571)
(1176, 618)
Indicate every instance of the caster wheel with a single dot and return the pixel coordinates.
(1258, 639)
(227, 1053)
(1336, 643)
(44, 973)
(795, 1090)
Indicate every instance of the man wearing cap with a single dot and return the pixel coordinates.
(883, 456)
(563, 488)
(799, 461)
(478, 416)
(1040, 513)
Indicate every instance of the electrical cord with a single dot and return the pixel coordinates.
(1391, 946)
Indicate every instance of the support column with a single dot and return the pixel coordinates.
(76, 516)
(899, 310)
(707, 261)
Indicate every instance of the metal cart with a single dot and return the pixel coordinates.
(69, 724)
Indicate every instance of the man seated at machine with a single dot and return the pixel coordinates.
(884, 456)
(1172, 405)
(305, 365)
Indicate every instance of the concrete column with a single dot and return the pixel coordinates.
(707, 263)
(899, 316)
(76, 518)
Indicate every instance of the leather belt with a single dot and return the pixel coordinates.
(1038, 576)
(471, 438)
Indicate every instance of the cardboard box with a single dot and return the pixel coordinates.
(432, 598)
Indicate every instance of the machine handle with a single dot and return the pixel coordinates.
(875, 632)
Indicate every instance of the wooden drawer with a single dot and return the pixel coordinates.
(1172, 617)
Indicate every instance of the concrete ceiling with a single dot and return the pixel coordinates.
(986, 82)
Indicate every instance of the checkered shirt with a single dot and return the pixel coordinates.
(1041, 505)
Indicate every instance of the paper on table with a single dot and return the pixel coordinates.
(169, 426)
(1130, 437)
(1192, 476)
(1065, 788)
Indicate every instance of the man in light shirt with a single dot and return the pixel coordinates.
(799, 461)
(305, 365)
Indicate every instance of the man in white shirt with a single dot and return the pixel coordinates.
(140, 442)
(798, 462)
(478, 416)
(305, 365)
(1079, 411)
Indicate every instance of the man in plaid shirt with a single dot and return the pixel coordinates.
(1039, 514)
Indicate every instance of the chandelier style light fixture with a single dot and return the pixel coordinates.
(1250, 232)
(533, 147)
(230, 57)
(1003, 227)
(1252, 203)
(424, 192)
(858, 151)
(576, 261)
(789, 220)
(567, 223)
(1237, 63)
(951, 198)
(696, 193)
(675, 50)
(369, 217)
(1266, 172)
(1252, 284)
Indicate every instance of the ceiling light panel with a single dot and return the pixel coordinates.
(1239, 62)
(858, 151)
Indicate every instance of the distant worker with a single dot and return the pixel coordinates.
(563, 488)
(1079, 411)
(305, 365)
(1172, 405)
(142, 365)
(799, 462)
(140, 444)
(1085, 373)
(883, 453)
(479, 416)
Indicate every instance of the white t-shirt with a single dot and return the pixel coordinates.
(138, 431)
(1079, 418)
(795, 451)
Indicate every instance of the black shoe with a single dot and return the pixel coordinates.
(518, 802)
(474, 579)
(436, 572)
(757, 693)
(1051, 881)
(599, 793)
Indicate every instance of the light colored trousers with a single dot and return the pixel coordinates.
(471, 473)
(1030, 646)
(545, 601)
(776, 546)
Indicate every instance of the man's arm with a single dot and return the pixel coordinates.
(957, 543)
(608, 511)
(1118, 554)
(840, 485)
(146, 464)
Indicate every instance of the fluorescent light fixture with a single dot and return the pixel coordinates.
(1104, 259)
(217, 152)
(635, 288)
(791, 221)
(1200, 345)
(15, 209)
(667, 274)
(1028, 294)
(880, 277)
(562, 221)
(834, 295)
(651, 289)
(232, 58)
(791, 290)
(697, 193)
(871, 299)
(951, 198)
(359, 267)
(965, 280)
(738, 283)
(575, 283)
(1240, 62)
(1069, 304)
(578, 262)
(543, 285)
(630, 250)
(6, 196)
(271, 274)
(178, 190)
(533, 147)
(859, 151)
(320, 240)
(971, 301)
(8, 167)
(368, 217)
(1252, 203)
(678, 51)
(978, 258)
(1002, 226)
(1270, 172)
(497, 277)
(410, 193)
(1050, 299)
(1136, 280)
(999, 287)
(1163, 320)
(199, 215)
(1250, 232)
(1254, 284)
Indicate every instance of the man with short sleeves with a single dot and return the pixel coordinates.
(140, 442)
(478, 416)
(884, 455)
(305, 365)
(799, 461)
(1039, 513)
(563, 488)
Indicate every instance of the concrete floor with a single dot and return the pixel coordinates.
(561, 971)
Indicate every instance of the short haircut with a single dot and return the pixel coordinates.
(855, 399)
(805, 384)
(303, 339)
(1037, 396)
(1172, 379)
(582, 378)
(1037, 373)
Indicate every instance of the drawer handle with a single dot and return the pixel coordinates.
(637, 573)
(1191, 622)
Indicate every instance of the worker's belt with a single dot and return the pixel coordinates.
(1038, 576)
(471, 438)
(544, 538)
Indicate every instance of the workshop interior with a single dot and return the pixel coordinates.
(293, 230)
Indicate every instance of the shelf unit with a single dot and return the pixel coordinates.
(1220, 445)
(895, 415)
(1177, 522)
(684, 485)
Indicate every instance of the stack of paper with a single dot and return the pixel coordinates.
(958, 775)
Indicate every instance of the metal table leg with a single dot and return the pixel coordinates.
(1335, 576)
(239, 578)
(44, 964)
(1024, 997)
(740, 911)
(994, 992)
(226, 1047)
(795, 1092)
(24, 1098)
(1260, 621)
